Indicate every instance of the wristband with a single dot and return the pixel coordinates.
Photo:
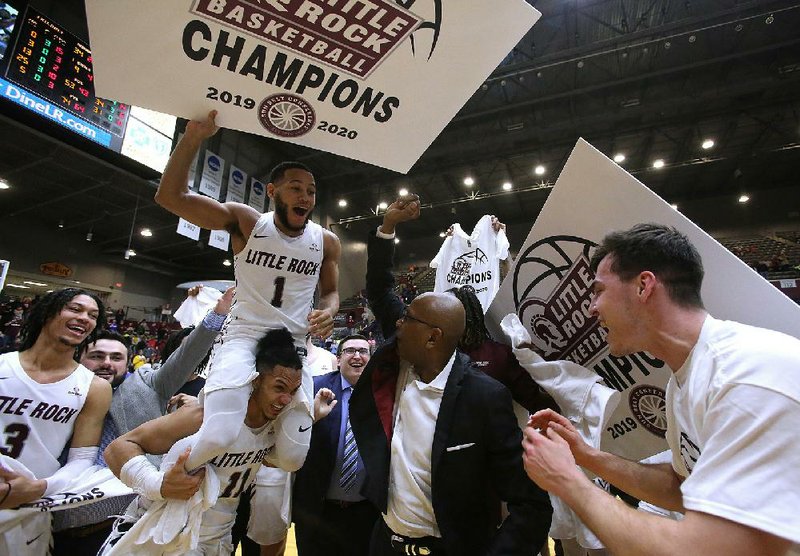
(143, 477)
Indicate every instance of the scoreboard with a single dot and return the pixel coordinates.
(54, 65)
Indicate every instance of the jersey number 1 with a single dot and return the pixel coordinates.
(277, 297)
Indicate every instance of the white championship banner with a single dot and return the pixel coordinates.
(373, 80)
(549, 288)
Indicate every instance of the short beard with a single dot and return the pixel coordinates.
(282, 213)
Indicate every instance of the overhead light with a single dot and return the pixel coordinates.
(382, 205)
(60, 224)
(89, 236)
(744, 198)
(708, 143)
(34, 283)
(468, 181)
(442, 234)
(507, 186)
(403, 192)
(4, 184)
(619, 158)
(226, 262)
(18, 286)
(397, 240)
(342, 203)
(674, 206)
(658, 163)
(539, 170)
(129, 253)
(146, 232)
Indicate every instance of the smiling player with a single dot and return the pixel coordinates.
(280, 257)
(46, 398)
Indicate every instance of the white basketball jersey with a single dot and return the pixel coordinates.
(472, 259)
(37, 420)
(276, 277)
(236, 470)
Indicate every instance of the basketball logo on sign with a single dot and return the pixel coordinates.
(649, 406)
(286, 115)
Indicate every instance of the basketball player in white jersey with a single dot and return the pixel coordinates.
(280, 257)
(46, 398)
(279, 369)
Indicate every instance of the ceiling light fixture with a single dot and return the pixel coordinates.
(226, 262)
(468, 181)
(60, 224)
(674, 206)
(442, 234)
(619, 158)
(744, 198)
(658, 163)
(539, 170)
(32, 283)
(342, 203)
(89, 236)
(146, 232)
(396, 240)
(708, 143)
(403, 192)
(4, 184)
(507, 186)
(129, 253)
(382, 205)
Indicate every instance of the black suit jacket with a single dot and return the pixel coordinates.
(476, 452)
(312, 480)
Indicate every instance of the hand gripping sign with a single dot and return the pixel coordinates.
(374, 80)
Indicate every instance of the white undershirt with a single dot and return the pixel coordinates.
(410, 508)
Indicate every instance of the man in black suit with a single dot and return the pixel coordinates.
(439, 440)
(331, 517)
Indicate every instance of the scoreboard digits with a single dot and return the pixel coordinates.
(53, 64)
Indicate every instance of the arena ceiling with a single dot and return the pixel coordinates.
(651, 79)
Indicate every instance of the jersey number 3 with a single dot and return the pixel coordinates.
(16, 433)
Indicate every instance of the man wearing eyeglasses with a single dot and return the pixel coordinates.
(331, 516)
(439, 439)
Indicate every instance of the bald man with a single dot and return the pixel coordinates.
(438, 439)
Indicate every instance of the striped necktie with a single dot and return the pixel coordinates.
(350, 459)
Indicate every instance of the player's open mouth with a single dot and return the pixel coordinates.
(300, 211)
(77, 329)
(277, 408)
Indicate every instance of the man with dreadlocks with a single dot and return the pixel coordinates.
(495, 359)
(46, 397)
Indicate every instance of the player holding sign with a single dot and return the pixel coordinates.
(280, 257)
(733, 402)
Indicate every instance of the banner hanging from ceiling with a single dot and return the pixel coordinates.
(373, 80)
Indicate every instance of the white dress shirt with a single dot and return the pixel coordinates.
(410, 508)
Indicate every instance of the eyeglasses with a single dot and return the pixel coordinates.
(408, 316)
(352, 351)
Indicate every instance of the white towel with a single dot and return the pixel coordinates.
(582, 399)
(168, 527)
(577, 390)
(193, 309)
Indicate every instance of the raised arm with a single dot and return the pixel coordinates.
(320, 320)
(177, 369)
(380, 259)
(174, 194)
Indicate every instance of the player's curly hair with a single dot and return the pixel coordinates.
(475, 332)
(277, 348)
(48, 307)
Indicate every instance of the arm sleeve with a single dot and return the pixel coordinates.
(386, 306)
(181, 364)
(79, 460)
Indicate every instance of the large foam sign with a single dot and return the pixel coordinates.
(374, 80)
(549, 288)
